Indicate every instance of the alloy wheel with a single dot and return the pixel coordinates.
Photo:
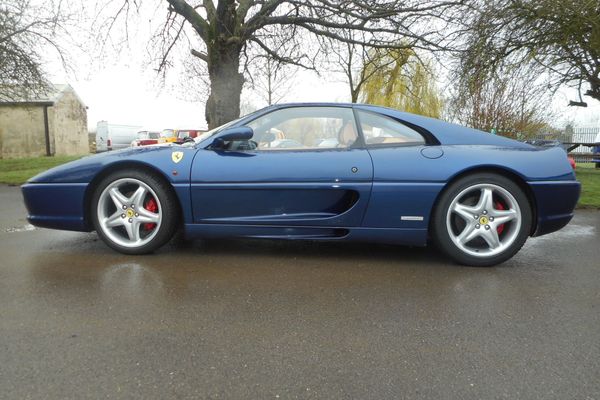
(484, 220)
(129, 212)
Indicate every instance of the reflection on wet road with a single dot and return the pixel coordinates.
(266, 319)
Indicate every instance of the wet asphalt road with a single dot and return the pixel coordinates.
(264, 319)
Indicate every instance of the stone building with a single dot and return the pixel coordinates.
(54, 124)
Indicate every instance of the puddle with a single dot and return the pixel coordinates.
(23, 228)
(572, 231)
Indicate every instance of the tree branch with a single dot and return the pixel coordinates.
(188, 12)
(201, 55)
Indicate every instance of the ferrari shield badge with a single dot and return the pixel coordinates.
(177, 156)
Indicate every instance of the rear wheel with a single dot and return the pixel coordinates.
(134, 212)
(482, 220)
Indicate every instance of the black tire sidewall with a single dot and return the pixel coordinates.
(440, 233)
(168, 206)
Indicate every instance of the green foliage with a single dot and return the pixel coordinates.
(558, 37)
(16, 171)
(398, 78)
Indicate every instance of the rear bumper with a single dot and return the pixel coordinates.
(555, 203)
(56, 205)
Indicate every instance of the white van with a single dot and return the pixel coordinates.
(114, 137)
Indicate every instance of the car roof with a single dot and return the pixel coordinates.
(443, 131)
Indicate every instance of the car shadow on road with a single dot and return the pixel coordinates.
(322, 250)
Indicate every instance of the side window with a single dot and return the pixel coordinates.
(305, 128)
(379, 129)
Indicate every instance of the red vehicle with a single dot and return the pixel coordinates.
(146, 138)
(191, 133)
(572, 162)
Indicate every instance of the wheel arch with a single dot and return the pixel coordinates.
(109, 169)
(507, 173)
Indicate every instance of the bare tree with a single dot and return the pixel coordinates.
(350, 59)
(27, 31)
(271, 79)
(355, 60)
(514, 103)
(222, 34)
(394, 77)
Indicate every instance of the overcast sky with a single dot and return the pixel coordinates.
(123, 89)
(124, 94)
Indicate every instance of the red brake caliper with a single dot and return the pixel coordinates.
(153, 207)
(500, 206)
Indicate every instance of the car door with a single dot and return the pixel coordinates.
(405, 185)
(306, 166)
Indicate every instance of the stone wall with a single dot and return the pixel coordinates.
(22, 128)
(22, 131)
(68, 125)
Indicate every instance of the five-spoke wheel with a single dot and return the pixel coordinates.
(482, 220)
(134, 212)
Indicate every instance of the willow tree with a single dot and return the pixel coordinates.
(355, 61)
(398, 78)
(223, 32)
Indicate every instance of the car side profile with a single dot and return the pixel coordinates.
(356, 172)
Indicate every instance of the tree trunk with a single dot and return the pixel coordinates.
(223, 104)
(354, 93)
(269, 88)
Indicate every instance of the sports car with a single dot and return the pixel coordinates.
(362, 173)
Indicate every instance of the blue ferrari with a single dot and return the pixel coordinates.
(349, 172)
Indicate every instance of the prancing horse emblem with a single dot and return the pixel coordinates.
(177, 156)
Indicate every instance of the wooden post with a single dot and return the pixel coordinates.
(47, 131)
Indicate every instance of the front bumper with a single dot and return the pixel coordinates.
(56, 205)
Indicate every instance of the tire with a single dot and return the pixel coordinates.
(134, 211)
(482, 220)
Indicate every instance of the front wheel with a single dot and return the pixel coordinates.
(482, 220)
(134, 212)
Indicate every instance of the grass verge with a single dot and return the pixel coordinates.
(590, 185)
(16, 171)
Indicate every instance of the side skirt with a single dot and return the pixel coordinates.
(409, 237)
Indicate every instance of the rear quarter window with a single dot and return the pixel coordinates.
(381, 130)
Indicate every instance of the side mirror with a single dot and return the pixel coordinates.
(239, 133)
(233, 134)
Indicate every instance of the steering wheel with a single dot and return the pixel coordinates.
(252, 144)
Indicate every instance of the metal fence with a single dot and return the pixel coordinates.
(577, 135)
